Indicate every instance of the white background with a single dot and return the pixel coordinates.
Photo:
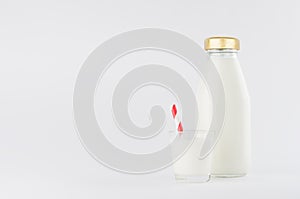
(42, 46)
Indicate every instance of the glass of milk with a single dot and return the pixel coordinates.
(189, 167)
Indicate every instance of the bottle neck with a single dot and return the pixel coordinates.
(223, 52)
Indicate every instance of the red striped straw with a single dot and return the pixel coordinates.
(176, 119)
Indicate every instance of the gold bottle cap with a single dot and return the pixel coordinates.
(219, 43)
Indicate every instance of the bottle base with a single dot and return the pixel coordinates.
(228, 175)
(192, 178)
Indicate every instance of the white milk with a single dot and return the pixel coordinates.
(189, 167)
(231, 156)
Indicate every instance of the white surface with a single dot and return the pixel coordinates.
(42, 46)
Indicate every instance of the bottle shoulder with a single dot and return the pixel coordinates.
(232, 75)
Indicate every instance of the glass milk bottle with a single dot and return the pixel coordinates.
(231, 155)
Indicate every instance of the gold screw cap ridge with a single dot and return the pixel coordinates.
(219, 43)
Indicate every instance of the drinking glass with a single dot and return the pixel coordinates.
(189, 167)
